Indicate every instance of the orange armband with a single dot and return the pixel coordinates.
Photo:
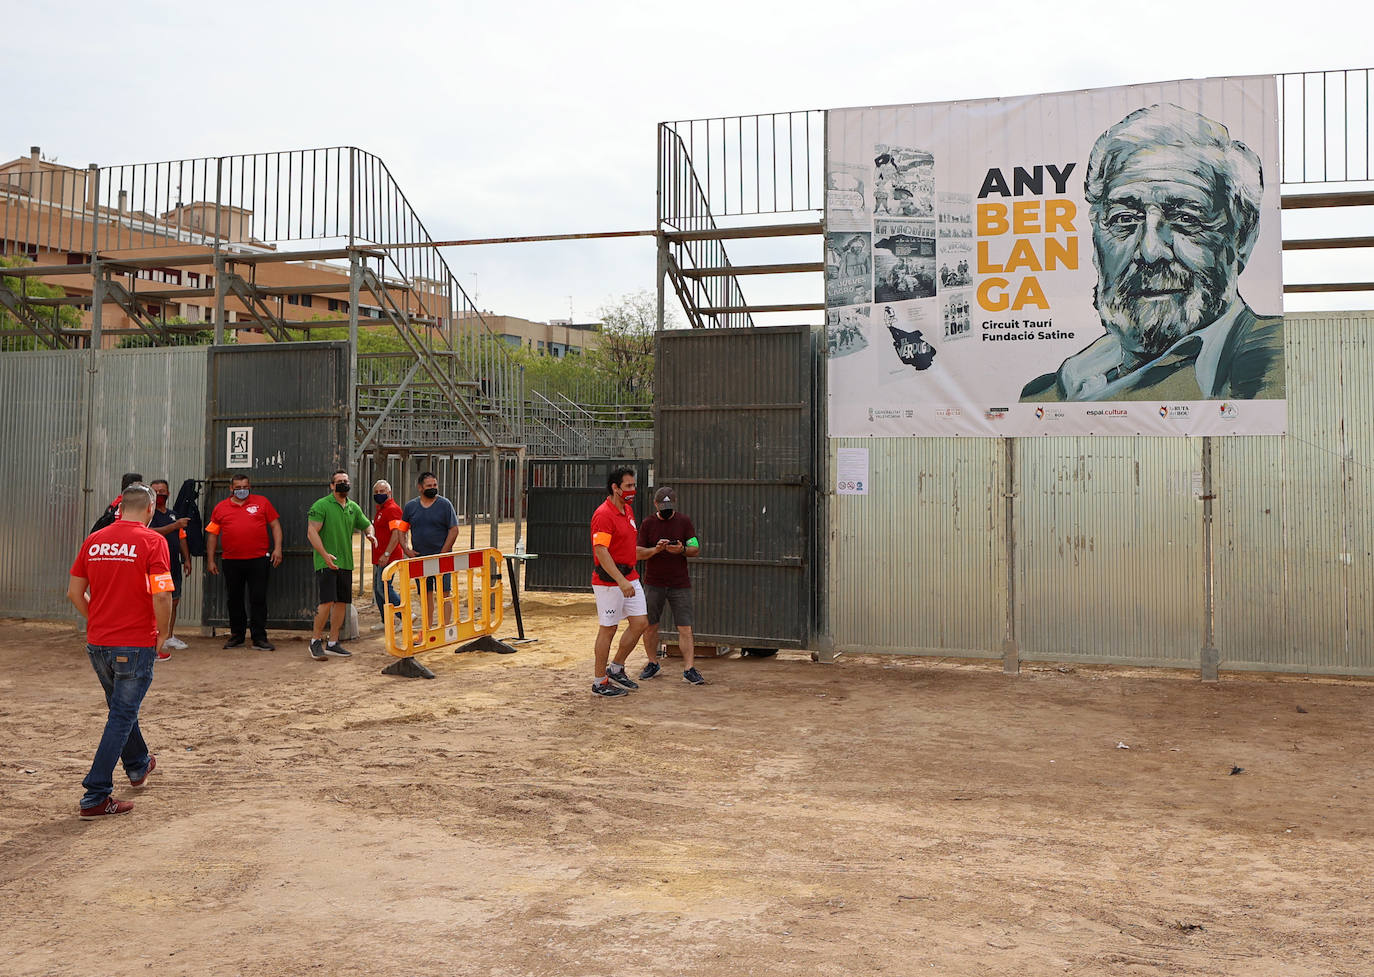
(160, 583)
(601, 539)
(213, 528)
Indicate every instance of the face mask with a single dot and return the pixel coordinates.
(343, 488)
(665, 514)
(162, 501)
(431, 493)
(240, 493)
(380, 498)
(628, 496)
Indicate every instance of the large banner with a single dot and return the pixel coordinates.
(1101, 262)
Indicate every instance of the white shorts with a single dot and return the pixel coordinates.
(612, 606)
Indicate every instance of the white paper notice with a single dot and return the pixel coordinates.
(852, 471)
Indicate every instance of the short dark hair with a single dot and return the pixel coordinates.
(161, 481)
(239, 478)
(425, 475)
(617, 476)
(128, 479)
(338, 471)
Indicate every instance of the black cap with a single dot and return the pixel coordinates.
(665, 496)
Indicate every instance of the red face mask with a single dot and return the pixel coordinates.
(162, 501)
(628, 496)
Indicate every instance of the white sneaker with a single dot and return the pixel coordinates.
(175, 643)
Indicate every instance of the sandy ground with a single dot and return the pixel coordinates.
(873, 816)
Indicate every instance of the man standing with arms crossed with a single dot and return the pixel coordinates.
(432, 523)
(619, 595)
(333, 520)
(121, 583)
(243, 520)
(666, 540)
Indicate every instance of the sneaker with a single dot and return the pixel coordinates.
(140, 781)
(337, 650)
(692, 676)
(108, 806)
(235, 641)
(262, 644)
(607, 689)
(317, 649)
(619, 677)
(650, 670)
(175, 643)
(162, 656)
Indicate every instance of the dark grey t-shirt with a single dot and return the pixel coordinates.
(429, 527)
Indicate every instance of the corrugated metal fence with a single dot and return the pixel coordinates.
(1099, 557)
(73, 422)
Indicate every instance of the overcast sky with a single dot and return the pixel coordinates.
(530, 117)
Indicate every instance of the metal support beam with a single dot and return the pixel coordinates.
(1210, 659)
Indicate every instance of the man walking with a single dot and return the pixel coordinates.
(332, 522)
(619, 595)
(666, 540)
(433, 526)
(122, 585)
(173, 530)
(241, 524)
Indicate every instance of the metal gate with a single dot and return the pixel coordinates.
(563, 494)
(734, 434)
(287, 407)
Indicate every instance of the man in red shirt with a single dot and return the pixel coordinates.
(619, 595)
(241, 524)
(389, 526)
(121, 582)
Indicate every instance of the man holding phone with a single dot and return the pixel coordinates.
(666, 540)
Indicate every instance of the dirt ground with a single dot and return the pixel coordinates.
(872, 816)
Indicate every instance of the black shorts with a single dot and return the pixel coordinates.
(678, 598)
(334, 586)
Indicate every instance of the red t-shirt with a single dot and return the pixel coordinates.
(616, 531)
(387, 519)
(242, 529)
(124, 564)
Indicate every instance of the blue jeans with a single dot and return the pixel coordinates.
(391, 597)
(125, 674)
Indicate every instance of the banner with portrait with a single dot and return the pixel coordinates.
(1103, 262)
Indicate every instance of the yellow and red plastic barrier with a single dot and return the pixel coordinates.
(469, 593)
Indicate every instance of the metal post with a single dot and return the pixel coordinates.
(662, 276)
(495, 492)
(93, 203)
(219, 265)
(354, 288)
(519, 497)
(97, 301)
(1211, 658)
(1011, 646)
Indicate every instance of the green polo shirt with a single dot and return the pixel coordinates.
(337, 525)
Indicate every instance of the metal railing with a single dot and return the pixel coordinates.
(1326, 118)
(324, 204)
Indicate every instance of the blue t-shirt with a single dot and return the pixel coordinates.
(173, 541)
(429, 527)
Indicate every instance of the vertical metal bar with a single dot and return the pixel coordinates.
(352, 199)
(354, 283)
(1210, 658)
(494, 490)
(1011, 644)
(93, 180)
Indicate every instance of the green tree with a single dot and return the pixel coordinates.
(624, 357)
